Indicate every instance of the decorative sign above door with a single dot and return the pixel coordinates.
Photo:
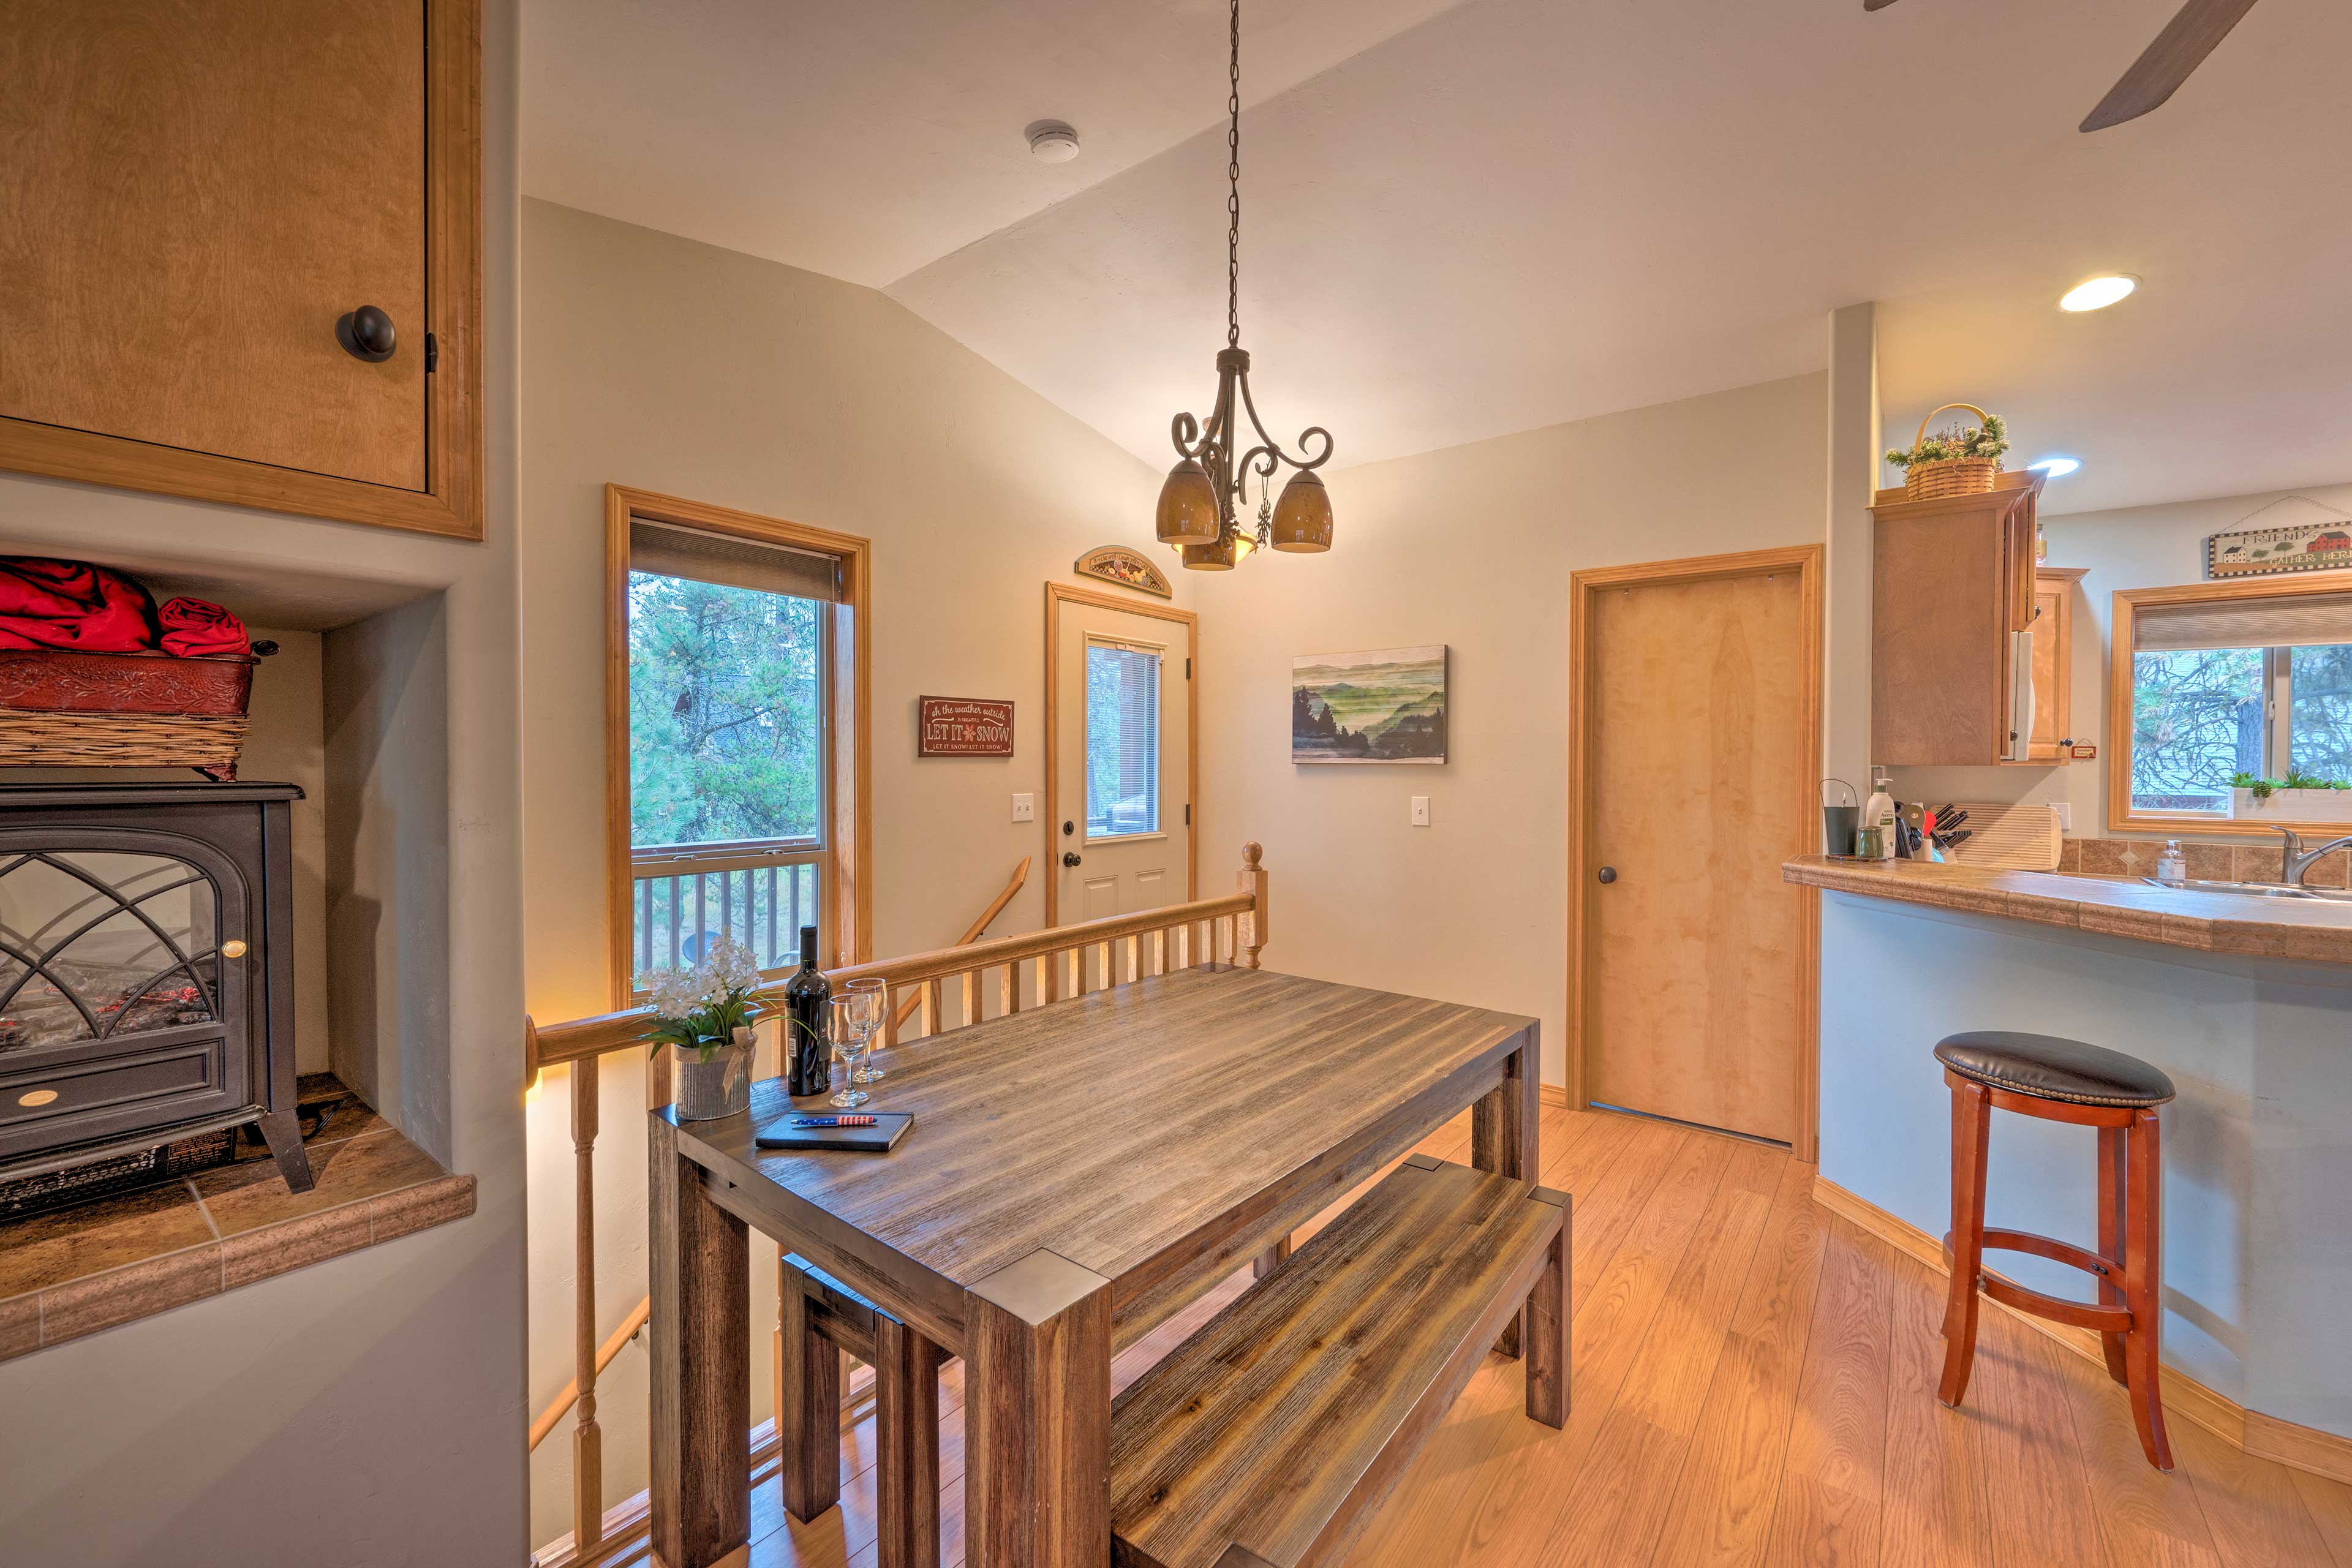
(964, 727)
(1117, 563)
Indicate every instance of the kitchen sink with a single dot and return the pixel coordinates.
(2255, 889)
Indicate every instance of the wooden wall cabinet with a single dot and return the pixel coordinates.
(2053, 662)
(1953, 580)
(199, 194)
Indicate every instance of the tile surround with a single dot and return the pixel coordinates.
(78, 1270)
(2207, 862)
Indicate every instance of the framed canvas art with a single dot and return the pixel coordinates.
(1384, 706)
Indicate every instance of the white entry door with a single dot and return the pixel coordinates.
(1123, 837)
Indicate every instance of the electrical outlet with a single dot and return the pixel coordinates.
(1024, 808)
(1421, 811)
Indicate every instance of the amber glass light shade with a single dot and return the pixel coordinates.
(1217, 555)
(1302, 517)
(1188, 507)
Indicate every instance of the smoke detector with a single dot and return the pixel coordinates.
(1053, 141)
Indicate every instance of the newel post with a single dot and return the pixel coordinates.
(1250, 937)
(587, 1438)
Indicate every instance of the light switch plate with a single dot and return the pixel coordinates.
(1421, 811)
(2065, 810)
(1024, 808)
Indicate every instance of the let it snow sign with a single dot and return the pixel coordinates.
(964, 727)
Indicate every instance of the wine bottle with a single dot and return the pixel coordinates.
(808, 1008)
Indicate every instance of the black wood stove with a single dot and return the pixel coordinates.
(146, 971)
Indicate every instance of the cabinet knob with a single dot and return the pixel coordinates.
(1608, 874)
(233, 948)
(366, 333)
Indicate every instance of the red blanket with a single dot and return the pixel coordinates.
(194, 627)
(71, 604)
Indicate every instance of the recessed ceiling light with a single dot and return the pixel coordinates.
(2056, 468)
(1052, 142)
(2098, 293)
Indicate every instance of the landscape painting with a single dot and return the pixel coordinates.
(1386, 706)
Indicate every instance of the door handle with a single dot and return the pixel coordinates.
(1608, 874)
(1069, 858)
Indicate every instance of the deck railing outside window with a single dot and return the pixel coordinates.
(685, 898)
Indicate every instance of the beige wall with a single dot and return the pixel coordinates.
(654, 362)
(1471, 547)
(2134, 547)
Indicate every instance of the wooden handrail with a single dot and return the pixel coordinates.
(592, 1037)
(604, 1354)
(971, 933)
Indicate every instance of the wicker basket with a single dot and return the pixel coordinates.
(1949, 476)
(67, 708)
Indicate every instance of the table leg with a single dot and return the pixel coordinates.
(699, 1260)
(1507, 1134)
(1036, 1404)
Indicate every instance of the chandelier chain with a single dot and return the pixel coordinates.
(1233, 192)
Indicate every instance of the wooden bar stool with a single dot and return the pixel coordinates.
(822, 1318)
(2089, 1086)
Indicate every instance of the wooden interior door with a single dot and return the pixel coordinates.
(1699, 713)
(1122, 830)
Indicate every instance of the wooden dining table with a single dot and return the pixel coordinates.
(1077, 1173)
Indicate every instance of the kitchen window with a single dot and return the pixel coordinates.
(734, 749)
(2227, 680)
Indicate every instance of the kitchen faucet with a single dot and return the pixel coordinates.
(2299, 859)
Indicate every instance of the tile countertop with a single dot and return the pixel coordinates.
(73, 1271)
(2247, 924)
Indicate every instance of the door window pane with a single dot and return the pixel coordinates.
(2319, 736)
(2197, 719)
(1122, 741)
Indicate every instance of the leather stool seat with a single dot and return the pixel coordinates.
(2049, 1068)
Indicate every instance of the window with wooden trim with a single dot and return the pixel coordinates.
(2217, 683)
(736, 741)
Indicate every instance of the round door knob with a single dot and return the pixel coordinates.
(366, 333)
(1608, 873)
(233, 948)
(1069, 858)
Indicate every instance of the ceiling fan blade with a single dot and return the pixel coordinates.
(2181, 48)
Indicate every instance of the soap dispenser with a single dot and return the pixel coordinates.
(2172, 865)
(1879, 811)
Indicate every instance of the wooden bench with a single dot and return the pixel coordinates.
(1269, 1438)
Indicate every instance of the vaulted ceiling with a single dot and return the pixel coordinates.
(1469, 219)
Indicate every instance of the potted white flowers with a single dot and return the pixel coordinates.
(705, 1016)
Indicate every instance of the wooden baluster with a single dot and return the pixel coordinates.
(1008, 991)
(970, 997)
(587, 1438)
(928, 1011)
(1159, 950)
(1075, 958)
(1104, 972)
(1134, 959)
(890, 1015)
(1249, 931)
(1183, 935)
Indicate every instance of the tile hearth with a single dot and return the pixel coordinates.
(74, 1272)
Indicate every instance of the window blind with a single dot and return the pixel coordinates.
(2297, 620)
(672, 552)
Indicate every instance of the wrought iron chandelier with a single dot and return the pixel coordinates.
(1207, 493)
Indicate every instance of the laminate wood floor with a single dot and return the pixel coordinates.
(1753, 1381)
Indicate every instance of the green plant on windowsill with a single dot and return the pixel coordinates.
(2262, 789)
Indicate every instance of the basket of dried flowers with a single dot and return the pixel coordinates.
(1961, 460)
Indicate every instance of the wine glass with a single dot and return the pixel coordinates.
(849, 1037)
(876, 995)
